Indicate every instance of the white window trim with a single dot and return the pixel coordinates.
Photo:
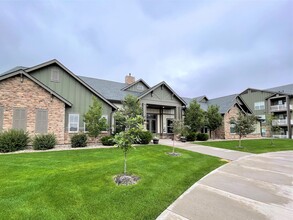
(69, 123)
(259, 105)
(232, 125)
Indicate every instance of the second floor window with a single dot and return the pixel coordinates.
(259, 105)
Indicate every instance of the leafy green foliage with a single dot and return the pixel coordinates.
(44, 141)
(213, 117)
(144, 137)
(202, 137)
(194, 116)
(191, 136)
(244, 124)
(93, 119)
(79, 140)
(130, 107)
(273, 128)
(13, 140)
(108, 140)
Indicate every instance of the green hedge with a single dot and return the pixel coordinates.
(44, 141)
(13, 140)
(191, 136)
(202, 137)
(79, 140)
(144, 137)
(108, 141)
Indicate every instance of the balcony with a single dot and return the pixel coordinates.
(281, 122)
(280, 107)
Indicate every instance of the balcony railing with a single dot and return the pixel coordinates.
(281, 136)
(280, 107)
(281, 122)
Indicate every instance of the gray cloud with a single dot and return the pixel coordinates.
(198, 47)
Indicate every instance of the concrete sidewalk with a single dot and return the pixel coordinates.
(252, 187)
(213, 151)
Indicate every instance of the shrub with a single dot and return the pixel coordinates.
(202, 137)
(144, 137)
(108, 141)
(191, 136)
(13, 140)
(79, 140)
(44, 141)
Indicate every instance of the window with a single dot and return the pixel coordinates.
(42, 121)
(55, 75)
(106, 117)
(19, 118)
(139, 87)
(259, 105)
(232, 129)
(1, 118)
(73, 123)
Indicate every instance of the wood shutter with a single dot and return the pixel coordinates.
(41, 121)
(19, 118)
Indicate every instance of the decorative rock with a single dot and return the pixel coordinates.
(174, 154)
(124, 179)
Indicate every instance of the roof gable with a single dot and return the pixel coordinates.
(140, 81)
(22, 73)
(56, 62)
(163, 83)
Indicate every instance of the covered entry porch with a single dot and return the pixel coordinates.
(158, 119)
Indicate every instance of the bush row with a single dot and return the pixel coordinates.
(192, 136)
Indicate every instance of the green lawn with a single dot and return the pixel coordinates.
(79, 184)
(256, 146)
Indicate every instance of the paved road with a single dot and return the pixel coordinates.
(251, 187)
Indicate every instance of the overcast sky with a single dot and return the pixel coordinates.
(206, 47)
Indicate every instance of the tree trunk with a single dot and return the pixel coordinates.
(173, 143)
(125, 163)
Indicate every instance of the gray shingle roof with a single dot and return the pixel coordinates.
(109, 89)
(288, 89)
(224, 102)
(14, 69)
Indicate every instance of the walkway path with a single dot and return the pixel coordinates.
(251, 187)
(213, 151)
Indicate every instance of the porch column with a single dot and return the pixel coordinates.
(289, 117)
(144, 115)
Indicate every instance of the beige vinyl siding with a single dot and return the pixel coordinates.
(41, 121)
(19, 118)
(1, 118)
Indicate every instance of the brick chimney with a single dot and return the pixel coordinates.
(129, 79)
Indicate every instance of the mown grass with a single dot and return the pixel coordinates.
(79, 184)
(256, 146)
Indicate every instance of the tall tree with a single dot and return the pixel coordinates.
(213, 118)
(130, 107)
(244, 125)
(93, 119)
(194, 116)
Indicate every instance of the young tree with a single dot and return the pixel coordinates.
(194, 116)
(130, 119)
(178, 129)
(125, 139)
(244, 124)
(130, 107)
(271, 126)
(93, 119)
(213, 118)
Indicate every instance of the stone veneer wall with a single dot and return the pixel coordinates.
(233, 112)
(27, 94)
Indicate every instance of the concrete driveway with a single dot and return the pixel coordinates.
(252, 187)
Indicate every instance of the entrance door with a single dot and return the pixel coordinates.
(152, 123)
